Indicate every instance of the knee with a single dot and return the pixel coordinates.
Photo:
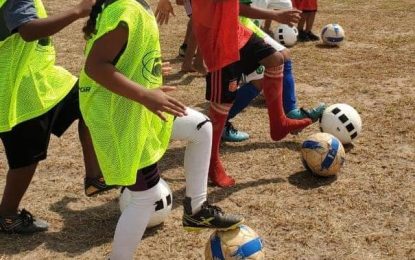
(286, 54)
(275, 60)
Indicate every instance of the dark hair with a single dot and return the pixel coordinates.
(89, 28)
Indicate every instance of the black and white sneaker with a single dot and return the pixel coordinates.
(210, 216)
(22, 223)
(94, 186)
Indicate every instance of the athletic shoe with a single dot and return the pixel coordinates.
(182, 50)
(231, 134)
(303, 37)
(210, 216)
(312, 36)
(96, 185)
(314, 113)
(22, 223)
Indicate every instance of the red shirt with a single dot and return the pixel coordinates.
(218, 32)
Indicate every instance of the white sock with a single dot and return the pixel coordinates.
(133, 222)
(194, 129)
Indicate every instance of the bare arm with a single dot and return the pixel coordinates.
(45, 27)
(289, 17)
(99, 67)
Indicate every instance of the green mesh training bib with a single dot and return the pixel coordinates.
(248, 23)
(30, 82)
(126, 135)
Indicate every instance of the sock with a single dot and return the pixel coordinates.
(133, 222)
(218, 114)
(246, 93)
(280, 125)
(197, 130)
(288, 90)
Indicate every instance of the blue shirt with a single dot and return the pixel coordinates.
(15, 13)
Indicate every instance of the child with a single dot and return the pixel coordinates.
(130, 118)
(308, 15)
(247, 92)
(37, 98)
(229, 52)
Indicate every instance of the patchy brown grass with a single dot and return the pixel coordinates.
(368, 212)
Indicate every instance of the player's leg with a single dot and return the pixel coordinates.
(196, 129)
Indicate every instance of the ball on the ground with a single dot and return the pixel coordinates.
(342, 121)
(323, 154)
(286, 35)
(240, 243)
(332, 34)
(162, 206)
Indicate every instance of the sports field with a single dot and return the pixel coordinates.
(367, 212)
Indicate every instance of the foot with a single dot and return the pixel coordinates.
(289, 126)
(22, 223)
(312, 36)
(303, 37)
(182, 50)
(313, 113)
(94, 186)
(231, 134)
(210, 216)
(218, 176)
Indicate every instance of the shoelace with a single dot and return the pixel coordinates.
(214, 209)
(26, 217)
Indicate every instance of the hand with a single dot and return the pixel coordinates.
(84, 8)
(157, 101)
(166, 68)
(290, 17)
(163, 11)
(179, 2)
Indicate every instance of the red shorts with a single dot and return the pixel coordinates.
(305, 5)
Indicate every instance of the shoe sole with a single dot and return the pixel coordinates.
(198, 229)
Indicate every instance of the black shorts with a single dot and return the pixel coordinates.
(221, 85)
(27, 142)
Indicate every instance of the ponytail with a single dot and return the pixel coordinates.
(89, 28)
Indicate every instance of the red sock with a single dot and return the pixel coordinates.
(217, 173)
(280, 125)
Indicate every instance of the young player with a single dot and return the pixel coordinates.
(37, 98)
(130, 118)
(247, 92)
(308, 15)
(229, 50)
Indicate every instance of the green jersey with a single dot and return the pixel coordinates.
(126, 135)
(30, 82)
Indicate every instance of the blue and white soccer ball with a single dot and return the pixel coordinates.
(323, 154)
(332, 34)
(236, 244)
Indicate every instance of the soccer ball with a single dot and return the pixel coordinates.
(286, 35)
(323, 154)
(332, 34)
(342, 121)
(235, 244)
(162, 206)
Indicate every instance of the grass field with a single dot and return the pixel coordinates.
(368, 212)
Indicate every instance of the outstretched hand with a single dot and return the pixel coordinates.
(163, 11)
(290, 17)
(158, 102)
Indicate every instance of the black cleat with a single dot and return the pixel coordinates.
(96, 185)
(22, 223)
(312, 36)
(210, 216)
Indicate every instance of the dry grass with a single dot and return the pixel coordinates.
(368, 212)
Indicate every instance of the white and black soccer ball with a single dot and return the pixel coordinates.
(235, 244)
(323, 154)
(162, 207)
(286, 35)
(342, 121)
(332, 34)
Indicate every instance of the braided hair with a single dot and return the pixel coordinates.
(90, 27)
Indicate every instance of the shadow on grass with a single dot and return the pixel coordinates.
(181, 78)
(306, 180)
(220, 194)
